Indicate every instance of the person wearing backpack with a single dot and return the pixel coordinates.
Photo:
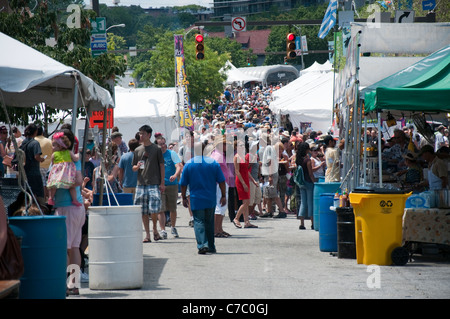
(303, 162)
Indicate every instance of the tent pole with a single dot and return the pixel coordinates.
(75, 105)
(380, 164)
(85, 137)
(104, 159)
(365, 152)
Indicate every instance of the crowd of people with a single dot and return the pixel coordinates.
(238, 162)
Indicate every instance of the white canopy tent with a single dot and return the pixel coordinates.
(29, 77)
(237, 77)
(307, 99)
(156, 107)
(268, 74)
(317, 67)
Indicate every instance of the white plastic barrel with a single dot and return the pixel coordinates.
(115, 247)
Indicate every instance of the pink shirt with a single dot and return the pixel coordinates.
(221, 159)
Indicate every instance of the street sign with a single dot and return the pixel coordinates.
(404, 16)
(239, 24)
(98, 36)
(302, 45)
(96, 119)
(98, 25)
(428, 5)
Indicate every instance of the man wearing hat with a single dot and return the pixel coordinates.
(437, 168)
(413, 172)
(440, 138)
(116, 138)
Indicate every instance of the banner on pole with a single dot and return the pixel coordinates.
(181, 84)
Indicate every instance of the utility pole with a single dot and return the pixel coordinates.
(96, 7)
(301, 48)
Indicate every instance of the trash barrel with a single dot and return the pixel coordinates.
(44, 252)
(345, 220)
(320, 188)
(328, 227)
(115, 247)
(378, 223)
(122, 199)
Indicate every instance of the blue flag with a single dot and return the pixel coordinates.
(329, 20)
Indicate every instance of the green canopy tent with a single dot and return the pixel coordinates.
(423, 86)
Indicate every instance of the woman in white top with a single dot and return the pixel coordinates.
(318, 166)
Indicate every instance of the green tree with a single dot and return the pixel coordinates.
(204, 76)
(277, 38)
(48, 20)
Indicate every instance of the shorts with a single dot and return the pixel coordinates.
(75, 218)
(169, 198)
(220, 210)
(272, 190)
(129, 190)
(255, 194)
(44, 175)
(149, 197)
(282, 185)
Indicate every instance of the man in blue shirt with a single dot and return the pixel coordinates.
(202, 174)
(127, 177)
(172, 171)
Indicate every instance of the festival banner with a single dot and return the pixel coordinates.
(181, 83)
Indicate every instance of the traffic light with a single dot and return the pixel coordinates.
(248, 61)
(290, 46)
(199, 47)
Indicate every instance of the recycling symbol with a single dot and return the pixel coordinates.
(387, 204)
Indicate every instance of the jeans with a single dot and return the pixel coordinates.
(307, 200)
(204, 228)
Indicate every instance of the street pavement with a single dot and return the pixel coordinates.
(274, 261)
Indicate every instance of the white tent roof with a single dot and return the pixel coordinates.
(317, 67)
(307, 99)
(261, 72)
(234, 75)
(29, 77)
(156, 107)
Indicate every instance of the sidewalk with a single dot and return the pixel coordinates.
(274, 261)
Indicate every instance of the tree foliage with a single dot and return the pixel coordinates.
(204, 76)
(33, 26)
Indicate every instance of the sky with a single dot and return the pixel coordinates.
(159, 3)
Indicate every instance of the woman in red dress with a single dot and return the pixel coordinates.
(242, 172)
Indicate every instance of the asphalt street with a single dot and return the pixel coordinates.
(274, 261)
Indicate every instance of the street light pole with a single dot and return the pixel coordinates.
(122, 25)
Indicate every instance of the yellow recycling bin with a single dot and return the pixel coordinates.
(378, 223)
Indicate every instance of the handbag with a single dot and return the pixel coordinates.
(11, 260)
(7, 160)
(299, 177)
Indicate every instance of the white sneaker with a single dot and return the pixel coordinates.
(84, 277)
(174, 232)
(163, 234)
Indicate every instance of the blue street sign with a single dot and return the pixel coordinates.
(428, 5)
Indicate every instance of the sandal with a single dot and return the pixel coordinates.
(146, 240)
(72, 292)
(237, 224)
(156, 237)
(250, 226)
(226, 234)
(220, 235)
